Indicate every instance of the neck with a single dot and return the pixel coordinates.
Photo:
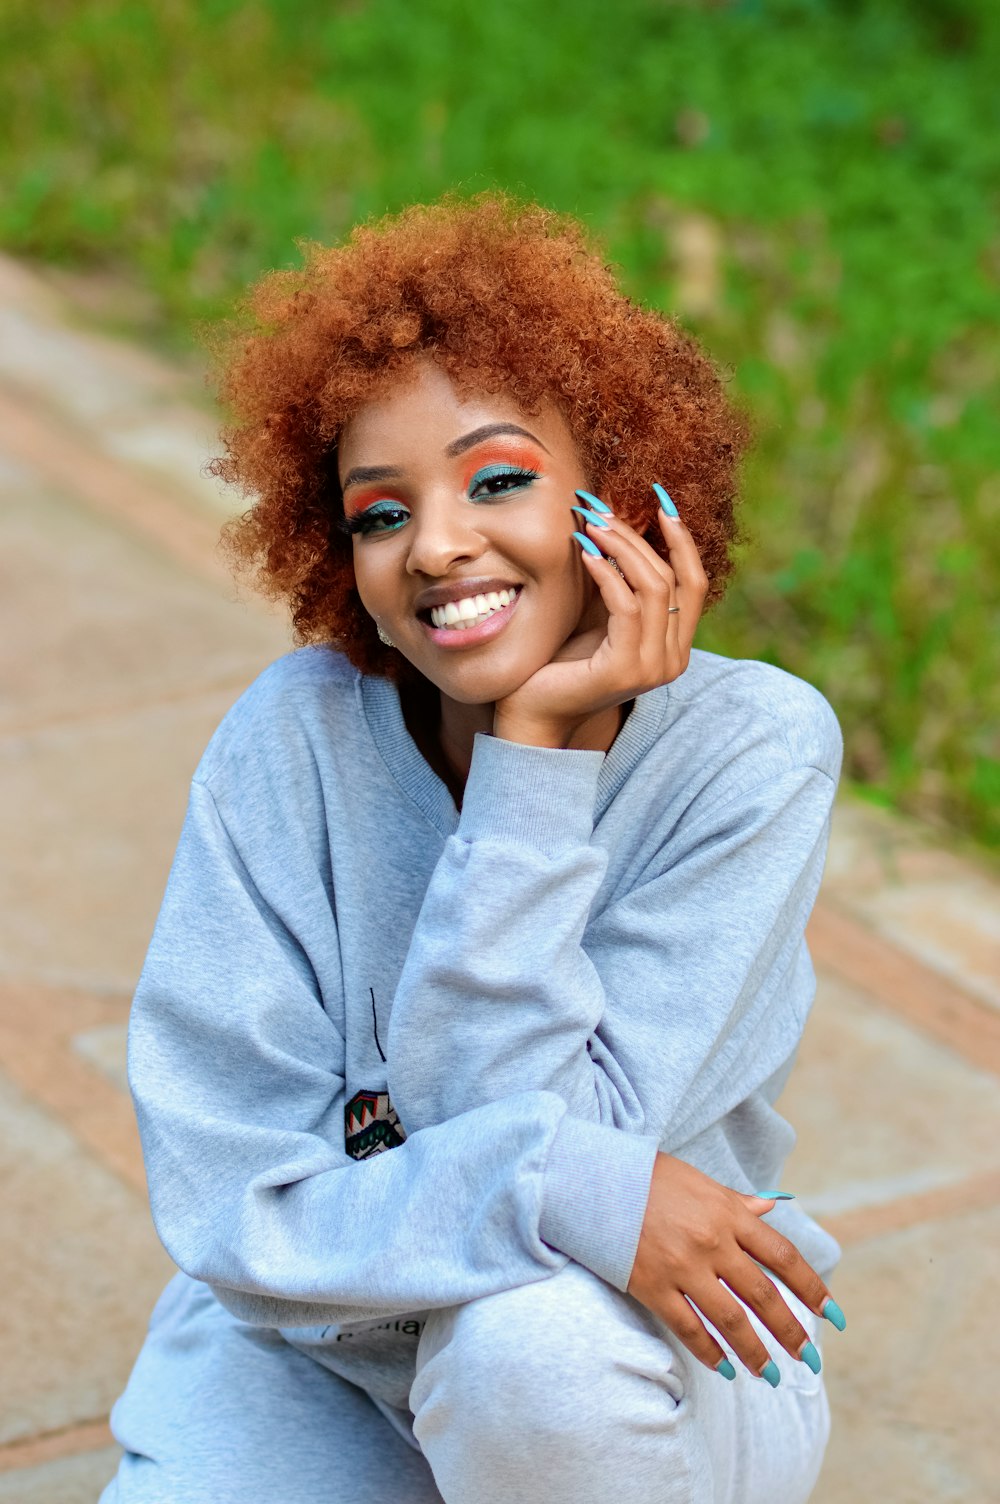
(445, 731)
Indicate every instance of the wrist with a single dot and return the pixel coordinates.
(530, 734)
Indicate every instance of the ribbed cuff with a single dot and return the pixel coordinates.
(594, 1195)
(532, 796)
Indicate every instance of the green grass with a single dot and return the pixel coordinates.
(812, 186)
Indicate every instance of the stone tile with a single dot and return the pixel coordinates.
(69, 1480)
(880, 1110)
(89, 821)
(91, 618)
(900, 879)
(911, 1381)
(80, 1250)
(106, 1047)
(135, 407)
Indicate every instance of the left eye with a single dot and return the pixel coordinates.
(497, 480)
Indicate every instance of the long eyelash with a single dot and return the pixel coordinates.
(357, 524)
(511, 472)
(350, 526)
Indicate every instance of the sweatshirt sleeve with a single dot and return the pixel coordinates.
(691, 990)
(236, 1071)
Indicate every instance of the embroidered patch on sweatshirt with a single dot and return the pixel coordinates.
(371, 1124)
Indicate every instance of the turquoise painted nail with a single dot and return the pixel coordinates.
(590, 516)
(591, 548)
(665, 501)
(833, 1313)
(810, 1357)
(770, 1373)
(775, 1195)
(725, 1368)
(594, 501)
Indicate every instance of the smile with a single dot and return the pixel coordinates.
(471, 630)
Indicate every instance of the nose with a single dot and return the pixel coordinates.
(443, 531)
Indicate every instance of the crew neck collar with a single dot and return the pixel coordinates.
(383, 711)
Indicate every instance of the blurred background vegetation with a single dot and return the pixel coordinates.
(811, 185)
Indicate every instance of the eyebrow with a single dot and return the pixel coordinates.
(363, 475)
(488, 430)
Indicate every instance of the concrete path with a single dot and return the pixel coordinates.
(122, 645)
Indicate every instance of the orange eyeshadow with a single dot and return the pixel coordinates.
(512, 451)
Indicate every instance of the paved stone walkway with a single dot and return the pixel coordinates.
(122, 645)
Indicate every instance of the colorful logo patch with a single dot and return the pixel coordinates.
(371, 1124)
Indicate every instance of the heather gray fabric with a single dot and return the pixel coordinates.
(388, 1058)
(563, 1388)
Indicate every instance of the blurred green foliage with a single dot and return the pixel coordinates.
(812, 185)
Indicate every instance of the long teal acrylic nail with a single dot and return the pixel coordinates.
(725, 1368)
(594, 501)
(775, 1195)
(810, 1357)
(665, 501)
(833, 1313)
(590, 516)
(591, 548)
(771, 1374)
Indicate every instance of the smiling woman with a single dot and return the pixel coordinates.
(482, 963)
(503, 299)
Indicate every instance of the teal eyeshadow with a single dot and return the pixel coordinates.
(382, 509)
(489, 471)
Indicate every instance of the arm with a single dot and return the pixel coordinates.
(678, 1008)
(236, 1070)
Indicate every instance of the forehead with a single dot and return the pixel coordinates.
(423, 412)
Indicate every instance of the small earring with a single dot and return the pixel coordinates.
(382, 637)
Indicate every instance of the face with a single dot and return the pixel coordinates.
(443, 491)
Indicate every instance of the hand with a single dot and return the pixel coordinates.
(696, 1234)
(642, 646)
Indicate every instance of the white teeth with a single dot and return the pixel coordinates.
(470, 611)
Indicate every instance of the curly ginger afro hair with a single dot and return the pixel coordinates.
(504, 297)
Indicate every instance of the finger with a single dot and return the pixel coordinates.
(650, 580)
(762, 1202)
(635, 639)
(624, 609)
(685, 560)
(687, 1326)
(730, 1320)
(776, 1253)
(749, 1282)
(592, 506)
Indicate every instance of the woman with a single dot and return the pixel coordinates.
(481, 962)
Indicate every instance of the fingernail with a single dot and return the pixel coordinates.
(594, 501)
(590, 516)
(810, 1357)
(770, 1373)
(591, 548)
(775, 1195)
(665, 501)
(833, 1313)
(725, 1368)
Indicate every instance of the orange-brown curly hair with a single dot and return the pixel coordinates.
(503, 296)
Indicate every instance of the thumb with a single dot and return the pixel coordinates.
(766, 1200)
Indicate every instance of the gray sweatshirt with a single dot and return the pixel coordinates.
(387, 1056)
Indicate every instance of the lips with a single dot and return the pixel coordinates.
(460, 590)
(451, 637)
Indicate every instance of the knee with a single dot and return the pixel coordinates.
(540, 1360)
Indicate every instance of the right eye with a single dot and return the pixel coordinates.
(372, 518)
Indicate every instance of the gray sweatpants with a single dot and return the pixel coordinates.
(565, 1390)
